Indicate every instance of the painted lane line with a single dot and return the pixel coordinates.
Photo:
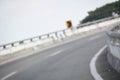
(8, 76)
(56, 53)
(94, 37)
(93, 69)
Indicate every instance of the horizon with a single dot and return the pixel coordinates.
(22, 19)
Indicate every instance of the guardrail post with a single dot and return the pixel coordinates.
(39, 37)
(48, 36)
(4, 46)
(21, 42)
(31, 40)
(12, 44)
(56, 35)
(64, 33)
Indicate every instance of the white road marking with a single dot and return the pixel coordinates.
(93, 69)
(8, 76)
(56, 53)
(94, 37)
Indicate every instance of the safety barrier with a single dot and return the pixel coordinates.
(50, 38)
(114, 47)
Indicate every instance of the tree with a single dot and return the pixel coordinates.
(103, 12)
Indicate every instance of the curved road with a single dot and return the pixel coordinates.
(69, 61)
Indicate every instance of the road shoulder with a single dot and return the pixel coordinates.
(104, 69)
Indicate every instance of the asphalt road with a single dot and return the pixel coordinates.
(69, 61)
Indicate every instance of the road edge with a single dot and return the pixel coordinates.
(50, 46)
(92, 64)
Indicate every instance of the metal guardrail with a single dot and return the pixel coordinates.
(53, 35)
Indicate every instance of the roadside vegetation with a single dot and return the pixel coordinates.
(103, 12)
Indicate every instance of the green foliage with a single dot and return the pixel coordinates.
(103, 12)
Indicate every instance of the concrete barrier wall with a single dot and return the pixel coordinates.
(25, 46)
(113, 59)
(113, 55)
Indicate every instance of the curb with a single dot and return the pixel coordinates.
(92, 64)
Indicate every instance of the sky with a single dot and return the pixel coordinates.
(21, 19)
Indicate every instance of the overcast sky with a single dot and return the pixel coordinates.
(20, 19)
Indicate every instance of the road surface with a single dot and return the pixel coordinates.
(69, 61)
